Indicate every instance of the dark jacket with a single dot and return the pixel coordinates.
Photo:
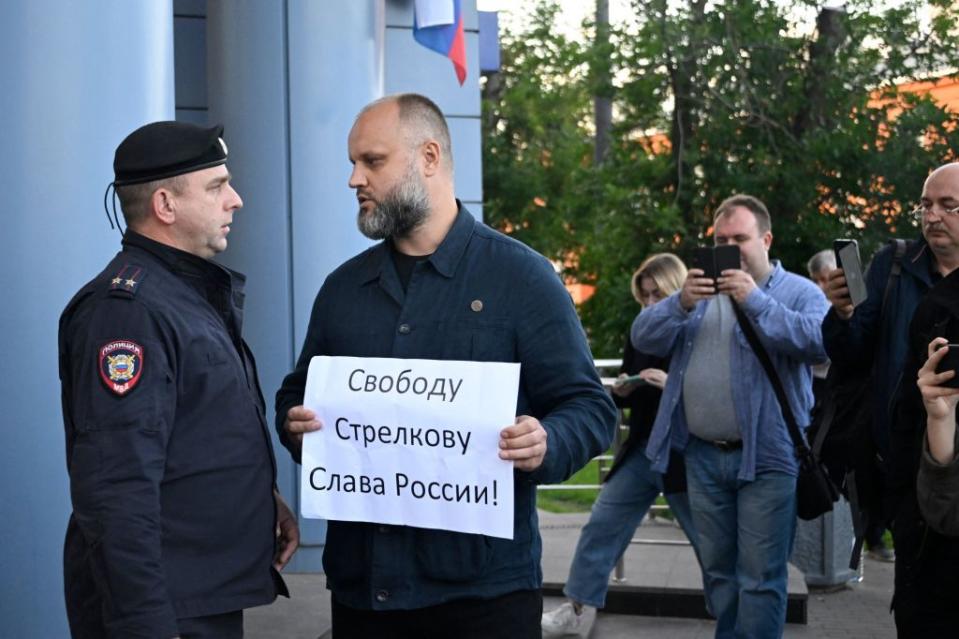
(168, 450)
(926, 561)
(643, 403)
(863, 343)
(526, 316)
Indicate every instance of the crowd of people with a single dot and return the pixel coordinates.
(718, 412)
(177, 524)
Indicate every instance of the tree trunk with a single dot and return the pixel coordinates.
(602, 100)
(682, 74)
(831, 33)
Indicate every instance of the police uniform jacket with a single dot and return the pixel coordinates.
(481, 296)
(170, 461)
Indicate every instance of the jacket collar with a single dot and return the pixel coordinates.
(773, 277)
(445, 259)
(918, 261)
(183, 263)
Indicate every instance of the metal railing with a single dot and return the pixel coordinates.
(605, 463)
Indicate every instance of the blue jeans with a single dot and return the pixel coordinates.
(745, 539)
(621, 505)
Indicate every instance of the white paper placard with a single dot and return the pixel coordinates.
(410, 441)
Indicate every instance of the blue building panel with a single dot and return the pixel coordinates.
(489, 41)
(189, 59)
(76, 80)
(200, 117)
(189, 8)
(467, 158)
(476, 208)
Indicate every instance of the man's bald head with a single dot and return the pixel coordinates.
(948, 171)
(420, 121)
(939, 215)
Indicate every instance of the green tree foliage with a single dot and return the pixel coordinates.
(775, 99)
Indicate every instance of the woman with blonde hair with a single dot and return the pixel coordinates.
(631, 486)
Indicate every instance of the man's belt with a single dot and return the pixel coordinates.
(725, 445)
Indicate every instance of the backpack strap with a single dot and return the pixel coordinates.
(829, 413)
(894, 272)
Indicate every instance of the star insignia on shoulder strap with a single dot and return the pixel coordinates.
(127, 280)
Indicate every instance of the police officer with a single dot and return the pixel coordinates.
(176, 524)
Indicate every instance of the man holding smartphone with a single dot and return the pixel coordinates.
(873, 337)
(720, 407)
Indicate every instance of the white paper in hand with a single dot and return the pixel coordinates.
(410, 441)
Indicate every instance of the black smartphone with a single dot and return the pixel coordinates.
(950, 363)
(727, 257)
(703, 259)
(847, 258)
(713, 260)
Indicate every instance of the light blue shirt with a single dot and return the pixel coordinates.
(787, 311)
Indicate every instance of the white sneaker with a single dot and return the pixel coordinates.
(564, 622)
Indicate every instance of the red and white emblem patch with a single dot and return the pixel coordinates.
(121, 363)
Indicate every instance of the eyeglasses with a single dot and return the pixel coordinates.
(922, 210)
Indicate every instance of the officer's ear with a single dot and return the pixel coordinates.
(163, 205)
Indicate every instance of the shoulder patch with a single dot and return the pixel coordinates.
(120, 363)
(127, 280)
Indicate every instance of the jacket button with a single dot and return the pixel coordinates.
(404, 329)
(382, 596)
(384, 529)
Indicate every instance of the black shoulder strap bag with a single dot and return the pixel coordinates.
(815, 492)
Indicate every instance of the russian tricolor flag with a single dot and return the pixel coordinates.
(438, 25)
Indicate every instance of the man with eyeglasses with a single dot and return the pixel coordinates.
(869, 338)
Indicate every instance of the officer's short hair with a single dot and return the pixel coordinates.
(135, 198)
(753, 204)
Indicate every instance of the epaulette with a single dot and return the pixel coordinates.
(127, 281)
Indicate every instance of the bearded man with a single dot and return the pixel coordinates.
(441, 285)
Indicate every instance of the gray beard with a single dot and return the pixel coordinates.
(402, 211)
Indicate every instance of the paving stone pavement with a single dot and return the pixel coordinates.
(856, 611)
(859, 611)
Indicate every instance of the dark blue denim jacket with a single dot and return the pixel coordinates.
(527, 317)
(787, 312)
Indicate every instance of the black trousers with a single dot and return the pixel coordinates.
(229, 625)
(927, 617)
(512, 616)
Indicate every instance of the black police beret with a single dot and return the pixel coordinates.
(163, 149)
